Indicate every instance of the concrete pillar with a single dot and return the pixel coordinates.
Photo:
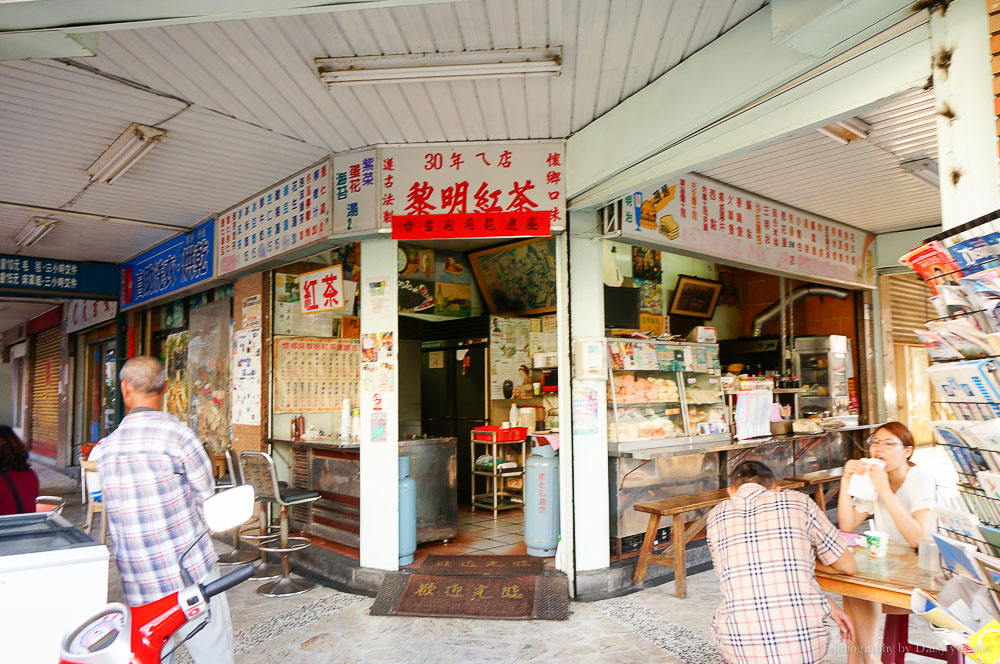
(589, 429)
(967, 110)
(379, 415)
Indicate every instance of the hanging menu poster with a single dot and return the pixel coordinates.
(510, 372)
(245, 395)
(292, 214)
(697, 214)
(313, 375)
(288, 316)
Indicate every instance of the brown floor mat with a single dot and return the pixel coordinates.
(482, 564)
(542, 597)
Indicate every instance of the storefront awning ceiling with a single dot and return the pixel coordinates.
(246, 107)
(862, 183)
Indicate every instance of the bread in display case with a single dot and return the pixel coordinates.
(663, 393)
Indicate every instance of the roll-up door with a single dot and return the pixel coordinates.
(909, 307)
(45, 392)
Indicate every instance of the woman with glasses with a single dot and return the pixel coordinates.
(903, 509)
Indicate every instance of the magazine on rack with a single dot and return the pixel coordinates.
(954, 299)
(949, 435)
(965, 338)
(933, 262)
(983, 293)
(977, 254)
(937, 348)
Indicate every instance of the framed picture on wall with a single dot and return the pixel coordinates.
(695, 297)
(517, 278)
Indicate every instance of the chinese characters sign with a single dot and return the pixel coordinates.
(461, 190)
(170, 266)
(482, 596)
(313, 374)
(288, 215)
(322, 290)
(355, 191)
(84, 313)
(701, 215)
(50, 277)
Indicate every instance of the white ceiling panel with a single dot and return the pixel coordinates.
(861, 183)
(79, 239)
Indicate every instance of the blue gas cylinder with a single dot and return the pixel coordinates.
(407, 512)
(541, 502)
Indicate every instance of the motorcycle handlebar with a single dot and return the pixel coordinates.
(224, 583)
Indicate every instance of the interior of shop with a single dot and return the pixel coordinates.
(477, 384)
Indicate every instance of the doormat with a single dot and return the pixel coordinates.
(542, 597)
(482, 564)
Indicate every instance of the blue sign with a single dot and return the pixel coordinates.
(54, 278)
(173, 265)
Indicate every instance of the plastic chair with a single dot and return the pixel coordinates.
(238, 556)
(258, 471)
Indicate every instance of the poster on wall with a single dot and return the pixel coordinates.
(313, 374)
(694, 213)
(322, 290)
(245, 396)
(288, 318)
(84, 313)
(486, 189)
(175, 401)
(291, 214)
(209, 357)
(517, 278)
(510, 362)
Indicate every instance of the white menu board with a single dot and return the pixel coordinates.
(314, 375)
(293, 213)
(698, 214)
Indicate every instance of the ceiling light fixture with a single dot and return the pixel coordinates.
(121, 155)
(925, 170)
(423, 67)
(847, 130)
(34, 231)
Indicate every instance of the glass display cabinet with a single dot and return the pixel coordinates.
(823, 367)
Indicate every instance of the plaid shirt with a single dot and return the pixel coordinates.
(155, 476)
(764, 545)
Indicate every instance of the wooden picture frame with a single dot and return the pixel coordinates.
(695, 297)
(517, 278)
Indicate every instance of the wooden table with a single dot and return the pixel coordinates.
(818, 479)
(890, 580)
(675, 555)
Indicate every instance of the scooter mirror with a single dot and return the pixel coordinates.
(228, 509)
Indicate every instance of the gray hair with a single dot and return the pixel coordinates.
(145, 374)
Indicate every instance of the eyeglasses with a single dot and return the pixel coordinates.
(887, 443)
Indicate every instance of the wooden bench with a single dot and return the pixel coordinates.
(817, 480)
(675, 555)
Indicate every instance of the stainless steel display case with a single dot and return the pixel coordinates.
(823, 365)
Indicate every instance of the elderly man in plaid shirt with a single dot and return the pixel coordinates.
(766, 547)
(155, 475)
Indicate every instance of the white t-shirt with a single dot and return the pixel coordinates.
(916, 493)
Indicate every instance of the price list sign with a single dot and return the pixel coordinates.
(315, 374)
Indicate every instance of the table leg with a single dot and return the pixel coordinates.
(895, 638)
(820, 498)
(647, 549)
(680, 569)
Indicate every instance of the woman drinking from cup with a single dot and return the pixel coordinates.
(902, 508)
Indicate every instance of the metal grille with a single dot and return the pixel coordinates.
(45, 388)
(909, 308)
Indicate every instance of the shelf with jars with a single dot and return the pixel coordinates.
(664, 393)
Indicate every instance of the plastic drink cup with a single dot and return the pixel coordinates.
(536, 388)
(878, 543)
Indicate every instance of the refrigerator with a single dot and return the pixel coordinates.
(454, 397)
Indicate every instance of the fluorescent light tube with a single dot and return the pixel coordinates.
(422, 67)
(856, 127)
(837, 137)
(34, 231)
(124, 152)
(925, 170)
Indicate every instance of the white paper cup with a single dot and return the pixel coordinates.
(877, 542)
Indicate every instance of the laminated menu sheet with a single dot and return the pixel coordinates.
(315, 374)
(753, 410)
(971, 388)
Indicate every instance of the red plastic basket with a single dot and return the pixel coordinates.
(490, 434)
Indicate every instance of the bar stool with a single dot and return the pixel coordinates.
(238, 556)
(258, 472)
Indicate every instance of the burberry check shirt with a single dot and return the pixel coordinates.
(764, 546)
(155, 475)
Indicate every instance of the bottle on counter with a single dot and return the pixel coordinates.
(513, 417)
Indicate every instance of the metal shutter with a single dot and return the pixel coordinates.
(909, 307)
(45, 390)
